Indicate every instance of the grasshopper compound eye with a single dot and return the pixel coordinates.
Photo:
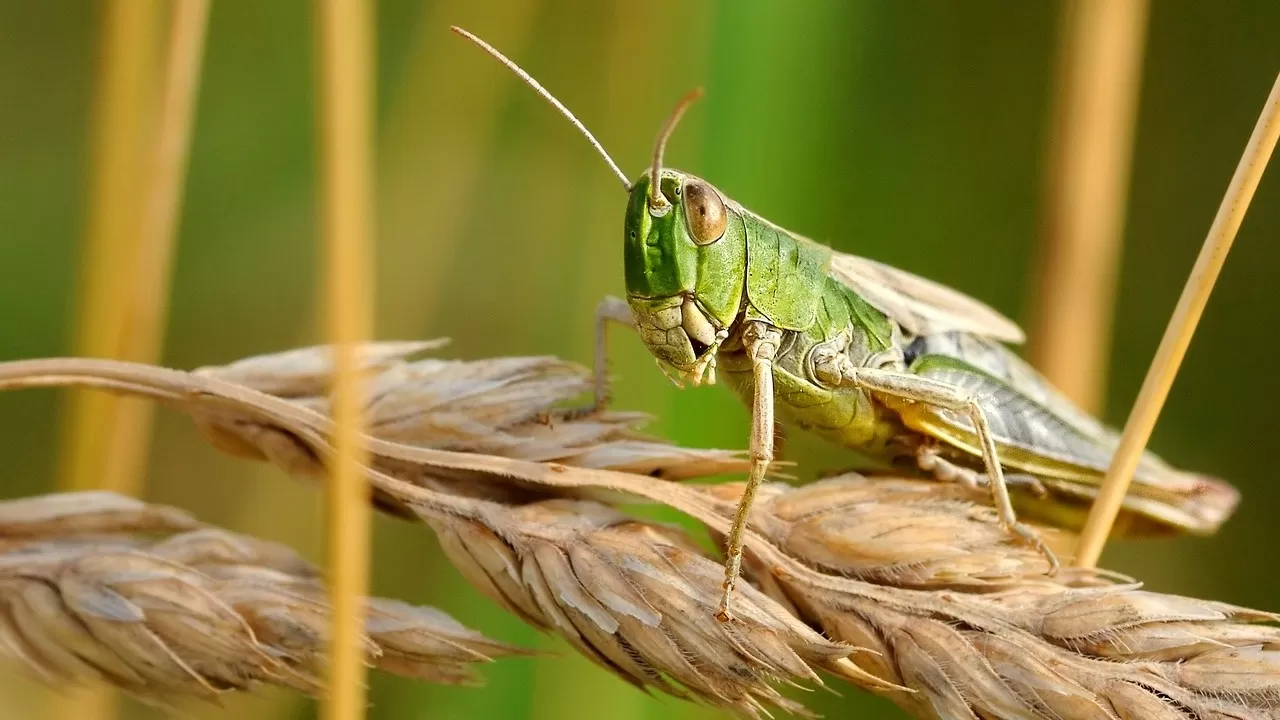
(704, 212)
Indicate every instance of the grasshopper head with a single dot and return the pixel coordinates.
(685, 262)
(685, 249)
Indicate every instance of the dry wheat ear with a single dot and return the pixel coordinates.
(901, 587)
(97, 586)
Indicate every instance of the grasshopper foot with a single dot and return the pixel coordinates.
(1028, 536)
(723, 614)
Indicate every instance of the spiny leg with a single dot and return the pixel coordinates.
(929, 460)
(949, 397)
(779, 442)
(761, 342)
(610, 309)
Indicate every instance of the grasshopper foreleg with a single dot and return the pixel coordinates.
(610, 309)
(925, 390)
(761, 342)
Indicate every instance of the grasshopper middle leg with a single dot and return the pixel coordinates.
(940, 394)
(761, 342)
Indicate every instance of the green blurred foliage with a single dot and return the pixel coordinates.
(909, 132)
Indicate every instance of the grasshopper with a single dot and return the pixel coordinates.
(864, 355)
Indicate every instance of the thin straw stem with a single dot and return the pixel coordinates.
(1091, 148)
(118, 135)
(146, 310)
(87, 454)
(1177, 336)
(345, 44)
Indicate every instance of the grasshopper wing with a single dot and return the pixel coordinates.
(920, 306)
(1039, 432)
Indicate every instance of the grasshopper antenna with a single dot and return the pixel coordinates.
(657, 203)
(528, 79)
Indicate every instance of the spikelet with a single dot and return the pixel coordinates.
(917, 593)
(88, 592)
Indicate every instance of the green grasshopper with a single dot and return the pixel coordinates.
(864, 355)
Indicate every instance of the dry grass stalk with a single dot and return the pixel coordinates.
(97, 586)
(1091, 147)
(124, 90)
(136, 186)
(345, 41)
(149, 258)
(1182, 325)
(918, 592)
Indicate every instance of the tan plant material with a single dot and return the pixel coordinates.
(636, 598)
(515, 407)
(947, 607)
(97, 586)
(918, 592)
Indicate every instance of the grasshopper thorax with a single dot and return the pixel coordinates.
(685, 262)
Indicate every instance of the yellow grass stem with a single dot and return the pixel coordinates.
(345, 39)
(122, 121)
(1177, 336)
(95, 449)
(1091, 146)
(147, 297)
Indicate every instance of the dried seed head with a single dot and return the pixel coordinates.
(516, 407)
(905, 533)
(70, 515)
(194, 614)
(308, 372)
(215, 546)
(953, 620)
(1000, 640)
(638, 600)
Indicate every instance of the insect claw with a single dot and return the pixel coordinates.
(1032, 538)
(704, 372)
(674, 378)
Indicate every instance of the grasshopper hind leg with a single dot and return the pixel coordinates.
(931, 461)
(914, 388)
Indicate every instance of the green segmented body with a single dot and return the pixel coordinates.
(758, 271)
(841, 414)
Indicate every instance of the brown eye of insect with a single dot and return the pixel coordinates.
(704, 212)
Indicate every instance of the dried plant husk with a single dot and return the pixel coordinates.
(516, 407)
(916, 592)
(80, 514)
(93, 589)
(1001, 639)
(634, 598)
(900, 532)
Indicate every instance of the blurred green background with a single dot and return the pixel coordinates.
(913, 133)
